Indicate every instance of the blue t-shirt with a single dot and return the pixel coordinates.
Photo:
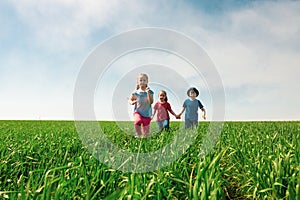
(191, 109)
(142, 106)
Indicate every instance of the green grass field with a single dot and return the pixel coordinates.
(251, 160)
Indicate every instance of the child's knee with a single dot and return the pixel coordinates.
(138, 122)
(138, 119)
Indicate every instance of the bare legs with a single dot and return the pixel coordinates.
(141, 124)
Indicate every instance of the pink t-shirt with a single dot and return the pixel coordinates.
(162, 110)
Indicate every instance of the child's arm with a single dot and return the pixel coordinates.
(150, 96)
(203, 109)
(131, 100)
(154, 111)
(204, 113)
(173, 113)
(178, 116)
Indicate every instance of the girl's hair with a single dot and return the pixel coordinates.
(137, 80)
(163, 91)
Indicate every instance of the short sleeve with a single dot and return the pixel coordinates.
(169, 106)
(133, 93)
(184, 104)
(200, 104)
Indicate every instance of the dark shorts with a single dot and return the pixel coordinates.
(191, 123)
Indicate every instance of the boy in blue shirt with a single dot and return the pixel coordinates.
(191, 105)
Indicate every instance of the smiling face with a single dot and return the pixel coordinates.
(142, 81)
(192, 94)
(162, 96)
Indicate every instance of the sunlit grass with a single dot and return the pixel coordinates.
(47, 160)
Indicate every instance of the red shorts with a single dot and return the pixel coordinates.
(139, 119)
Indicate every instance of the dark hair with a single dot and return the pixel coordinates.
(166, 97)
(194, 89)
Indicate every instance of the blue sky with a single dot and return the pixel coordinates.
(254, 45)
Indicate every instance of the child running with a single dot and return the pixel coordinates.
(191, 106)
(142, 98)
(163, 108)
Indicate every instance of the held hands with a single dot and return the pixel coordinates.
(177, 116)
(204, 117)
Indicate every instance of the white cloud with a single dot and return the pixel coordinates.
(253, 46)
(258, 45)
(64, 24)
(256, 50)
(267, 21)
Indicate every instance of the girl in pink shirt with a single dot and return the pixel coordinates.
(163, 108)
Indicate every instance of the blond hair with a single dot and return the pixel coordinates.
(137, 79)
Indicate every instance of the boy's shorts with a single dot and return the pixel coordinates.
(191, 123)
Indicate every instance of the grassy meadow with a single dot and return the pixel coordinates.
(251, 160)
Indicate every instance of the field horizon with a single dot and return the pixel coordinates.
(46, 159)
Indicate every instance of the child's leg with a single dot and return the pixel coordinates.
(160, 125)
(188, 123)
(138, 129)
(146, 130)
(166, 123)
(195, 124)
(146, 125)
(137, 123)
(191, 124)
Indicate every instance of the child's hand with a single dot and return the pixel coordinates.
(147, 89)
(203, 116)
(132, 101)
(177, 116)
